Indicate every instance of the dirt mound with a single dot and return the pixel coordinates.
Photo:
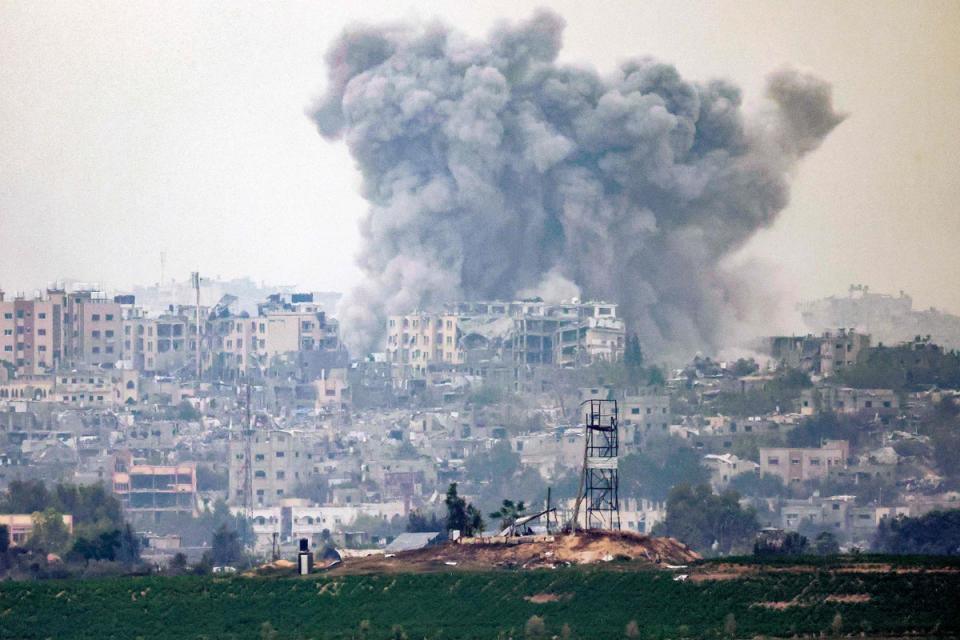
(585, 547)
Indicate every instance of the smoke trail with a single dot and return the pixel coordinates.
(492, 171)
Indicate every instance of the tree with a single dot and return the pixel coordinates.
(665, 463)
(226, 547)
(763, 486)
(744, 367)
(460, 516)
(785, 544)
(656, 377)
(936, 533)
(186, 411)
(49, 534)
(706, 521)
(420, 523)
(178, 564)
(25, 496)
(508, 513)
(826, 544)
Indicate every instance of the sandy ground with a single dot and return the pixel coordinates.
(582, 548)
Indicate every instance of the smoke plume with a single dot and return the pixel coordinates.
(492, 172)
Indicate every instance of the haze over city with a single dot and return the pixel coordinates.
(182, 127)
(479, 320)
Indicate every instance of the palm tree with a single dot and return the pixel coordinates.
(508, 513)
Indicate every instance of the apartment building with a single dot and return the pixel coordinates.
(279, 461)
(725, 467)
(647, 413)
(514, 333)
(149, 491)
(20, 526)
(31, 334)
(841, 350)
(795, 465)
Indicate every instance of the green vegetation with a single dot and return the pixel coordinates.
(905, 367)
(780, 394)
(665, 463)
(595, 603)
(461, 516)
(935, 533)
(708, 522)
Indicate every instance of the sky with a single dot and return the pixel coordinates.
(131, 129)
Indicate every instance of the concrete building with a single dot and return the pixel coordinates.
(528, 332)
(149, 491)
(800, 465)
(841, 350)
(20, 526)
(280, 461)
(725, 467)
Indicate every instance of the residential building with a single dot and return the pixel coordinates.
(794, 465)
(20, 526)
(149, 491)
(280, 461)
(725, 467)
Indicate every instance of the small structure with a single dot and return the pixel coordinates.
(411, 541)
(304, 558)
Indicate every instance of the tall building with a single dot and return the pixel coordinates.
(278, 461)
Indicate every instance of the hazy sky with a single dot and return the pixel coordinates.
(131, 128)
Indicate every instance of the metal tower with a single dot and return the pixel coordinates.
(600, 466)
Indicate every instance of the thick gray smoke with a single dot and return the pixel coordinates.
(492, 172)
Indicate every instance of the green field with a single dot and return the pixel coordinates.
(592, 603)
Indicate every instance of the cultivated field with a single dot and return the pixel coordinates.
(874, 598)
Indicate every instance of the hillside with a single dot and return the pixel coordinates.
(742, 599)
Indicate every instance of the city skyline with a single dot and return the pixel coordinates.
(137, 130)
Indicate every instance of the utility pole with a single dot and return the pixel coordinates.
(247, 459)
(195, 277)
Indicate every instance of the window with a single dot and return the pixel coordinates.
(814, 462)
(258, 457)
(281, 475)
(41, 332)
(109, 317)
(635, 411)
(773, 461)
(108, 333)
(96, 334)
(260, 474)
(42, 315)
(95, 317)
(280, 454)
